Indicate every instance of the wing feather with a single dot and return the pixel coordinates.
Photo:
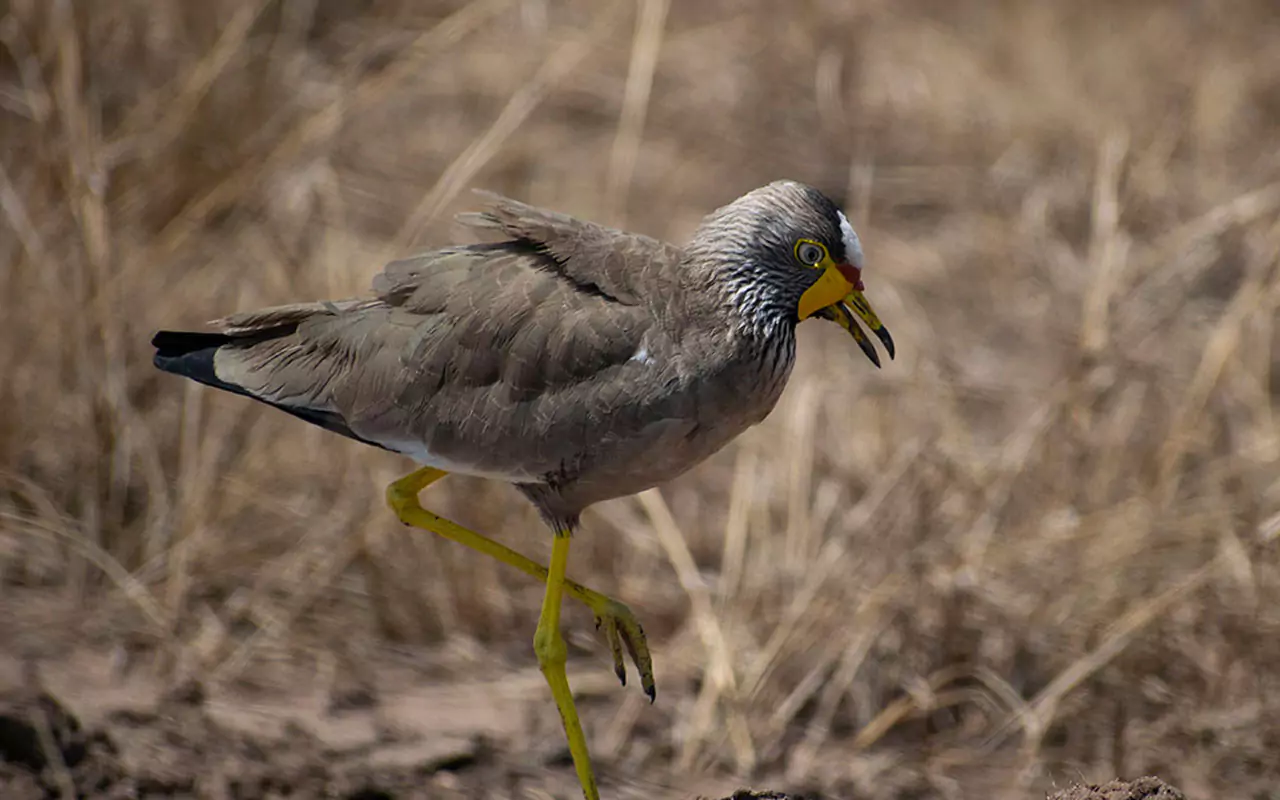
(480, 358)
(622, 266)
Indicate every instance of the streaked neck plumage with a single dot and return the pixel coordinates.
(731, 251)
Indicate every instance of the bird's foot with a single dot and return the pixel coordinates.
(622, 629)
(620, 626)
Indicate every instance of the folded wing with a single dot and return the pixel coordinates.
(490, 359)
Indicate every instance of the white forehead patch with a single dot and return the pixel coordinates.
(852, 244)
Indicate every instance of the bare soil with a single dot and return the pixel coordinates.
(117, 733)
(117, 740)
(1147, 788)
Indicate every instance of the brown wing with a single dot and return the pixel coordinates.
(487, 359)
(623, 266)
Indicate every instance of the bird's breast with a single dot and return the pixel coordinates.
(703, 411)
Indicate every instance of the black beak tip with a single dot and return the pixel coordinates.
(870, 352)
(887, 341)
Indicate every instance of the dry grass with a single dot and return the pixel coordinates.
(1039, 546)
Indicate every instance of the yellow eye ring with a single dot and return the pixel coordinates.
(810, 253)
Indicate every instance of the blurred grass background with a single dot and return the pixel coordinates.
(1039, 546)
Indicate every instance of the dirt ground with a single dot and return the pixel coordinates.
(122, 743)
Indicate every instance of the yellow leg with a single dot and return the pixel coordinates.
(552, 656)
(620, 626)
(617, 620)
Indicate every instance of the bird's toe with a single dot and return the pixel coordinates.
(622, 630)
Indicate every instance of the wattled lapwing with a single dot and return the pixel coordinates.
(575, 361)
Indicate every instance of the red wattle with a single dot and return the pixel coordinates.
(852, 274)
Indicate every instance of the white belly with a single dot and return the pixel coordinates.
(419, 453)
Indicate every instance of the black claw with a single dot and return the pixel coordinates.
(621, 672)
(652, 691)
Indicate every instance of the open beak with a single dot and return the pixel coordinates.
(855, 304)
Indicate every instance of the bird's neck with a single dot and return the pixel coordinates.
(755, 306)
(748, 294)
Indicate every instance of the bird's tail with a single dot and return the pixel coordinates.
(191, 354)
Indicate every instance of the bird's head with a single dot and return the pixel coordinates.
(791, 251)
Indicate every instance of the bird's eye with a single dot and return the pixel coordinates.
(810, 253)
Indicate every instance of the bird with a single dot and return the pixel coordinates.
(575, 361)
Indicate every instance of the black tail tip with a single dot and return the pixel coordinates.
(189, 354)
(173, 344)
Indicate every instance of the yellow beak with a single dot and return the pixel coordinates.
(830, 288)
(855, 304)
